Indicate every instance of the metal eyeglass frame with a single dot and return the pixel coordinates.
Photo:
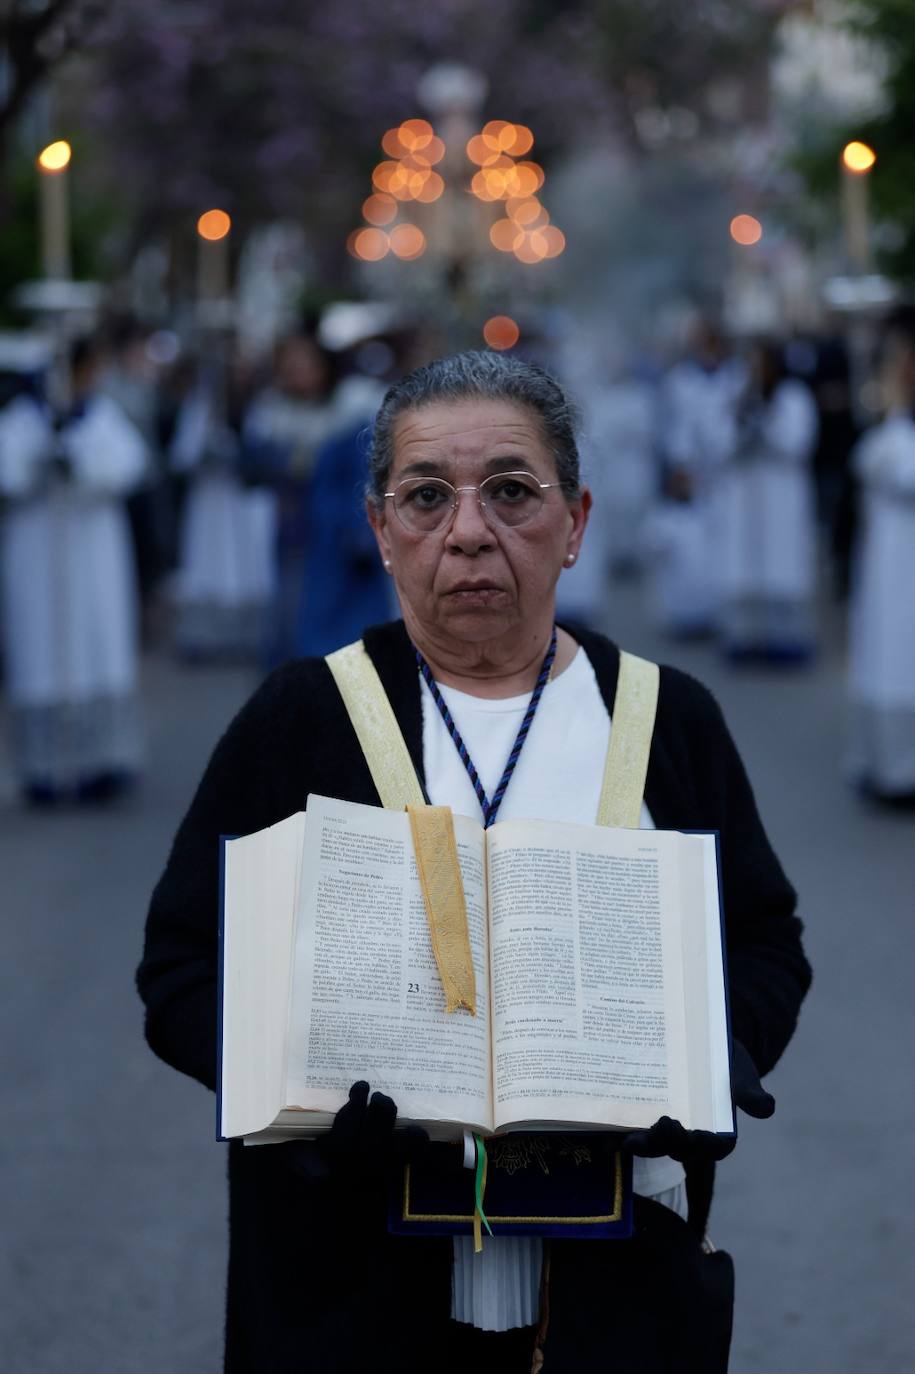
(456, 491)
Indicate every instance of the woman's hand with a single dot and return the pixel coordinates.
(668, 1137)
(362, 1144)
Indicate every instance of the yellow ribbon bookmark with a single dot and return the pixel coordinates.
(446, 910)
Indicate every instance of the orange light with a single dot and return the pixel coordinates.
(381, 176)
(528, 211)
(523, 141)
(434, 150)
(498, 135)
(479, 187)
(379, 209)
(371, 245)
(501, 332)
(55, 157)
(504, 234)
(530, 178)
(415, 134)
(553, 239)
(213, 225)
(392, 145)
(408, 242)
(432, 188)
(481, 152)
(858, 157)
(531, 249)
(746, 230)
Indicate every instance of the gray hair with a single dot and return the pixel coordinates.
(479, 376)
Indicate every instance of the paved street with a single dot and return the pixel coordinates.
(114, 1211)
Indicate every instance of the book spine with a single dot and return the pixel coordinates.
(223, 840)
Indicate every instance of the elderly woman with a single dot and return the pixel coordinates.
(476, 503)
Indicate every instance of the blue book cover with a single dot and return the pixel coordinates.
(552, 1184)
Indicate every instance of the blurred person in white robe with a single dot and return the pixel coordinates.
(766, 511)
(225, 583)
(680, 572)
(68, 592)
(619, 436)
(698, 427)
(882, 622)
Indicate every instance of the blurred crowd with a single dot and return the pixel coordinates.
(213, 504)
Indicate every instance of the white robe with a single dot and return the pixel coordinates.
(68, 601)
(698, 431)
(618, 451)
(764, 521)
(882, 628)
(680, 572)
(225, 583)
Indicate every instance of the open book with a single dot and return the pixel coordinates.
(598, 959)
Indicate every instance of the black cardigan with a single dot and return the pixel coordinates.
(302, 1268)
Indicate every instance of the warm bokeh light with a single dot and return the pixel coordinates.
(481, 152)
(531, 170)
(213, 225)
(379, 209)
(746, 230)
(55, 157)
(858, 157)
(523, 141)
(371, 245)
(501, 332)
(528, 212)
(434, 150)
(408, 242)
(554, 239)
(381, 176)
(531, 249)
(392, 145)
(480, 188)
(498, 135)
(415, 134)
(431, 189)
(505, 234)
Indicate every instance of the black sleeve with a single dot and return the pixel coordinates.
(177, 977)
(768, 972)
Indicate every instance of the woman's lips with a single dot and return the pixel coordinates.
(481, 592)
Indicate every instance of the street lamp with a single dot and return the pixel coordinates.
(53, 162)
(213, 229)
(856, 163)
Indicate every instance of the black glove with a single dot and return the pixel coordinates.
(362, 1144)
(668, 1137)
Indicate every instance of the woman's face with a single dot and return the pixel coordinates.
(473, 581)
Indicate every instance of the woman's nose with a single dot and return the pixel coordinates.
(468, 530)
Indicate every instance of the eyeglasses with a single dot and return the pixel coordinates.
(426, 504)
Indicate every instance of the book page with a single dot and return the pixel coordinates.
(367, 998)
(261, 873)
(589, 1021)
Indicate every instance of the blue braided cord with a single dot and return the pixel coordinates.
(491, 808)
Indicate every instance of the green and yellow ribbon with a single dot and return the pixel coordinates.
(479, 1216)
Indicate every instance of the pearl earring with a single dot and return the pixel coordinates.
(387, 565)
(570, 559)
